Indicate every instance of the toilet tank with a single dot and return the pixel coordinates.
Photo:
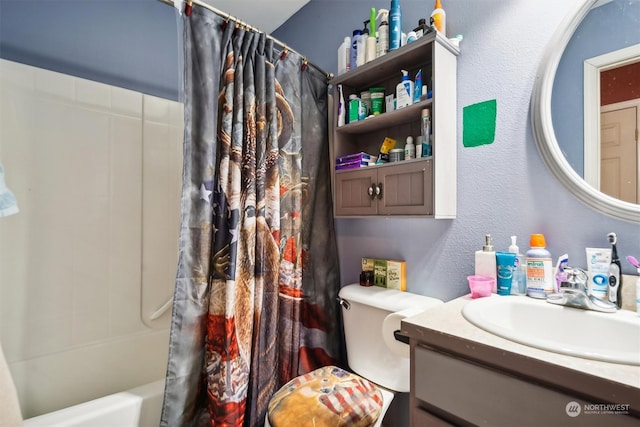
(367, 352)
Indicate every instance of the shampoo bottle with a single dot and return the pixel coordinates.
(395, 22)
(540, 280)
(383, 32)
(486, 262)
(439, 18)
(404, 91)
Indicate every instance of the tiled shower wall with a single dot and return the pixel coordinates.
(92, 254)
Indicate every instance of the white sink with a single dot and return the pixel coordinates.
(609, 337)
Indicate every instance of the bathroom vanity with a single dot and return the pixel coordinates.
(463, 375)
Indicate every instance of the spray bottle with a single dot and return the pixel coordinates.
(383, 32)
(395, 22)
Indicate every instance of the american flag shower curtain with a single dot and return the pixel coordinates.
(254, 303)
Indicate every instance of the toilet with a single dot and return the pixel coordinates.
(371, 315)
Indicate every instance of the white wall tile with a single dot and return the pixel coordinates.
(71, 263)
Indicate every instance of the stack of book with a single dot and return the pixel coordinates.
(352, 161)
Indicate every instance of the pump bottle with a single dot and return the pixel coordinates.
(486, 262)
(404, 91)
(383, 32)
(395, 23)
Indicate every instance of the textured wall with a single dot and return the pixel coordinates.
(504, 188)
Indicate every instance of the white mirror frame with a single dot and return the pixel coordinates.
(545, 136)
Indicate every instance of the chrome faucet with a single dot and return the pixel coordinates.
(574, 293)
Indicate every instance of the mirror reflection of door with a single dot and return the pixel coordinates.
(619, 120)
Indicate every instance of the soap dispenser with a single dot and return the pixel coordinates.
(486, 262)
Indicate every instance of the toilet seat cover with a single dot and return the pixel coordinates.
(328, 396)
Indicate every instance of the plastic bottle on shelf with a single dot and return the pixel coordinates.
(383, 32)
(342, 108)
(409, 149)
(426, 132)
(404, 91)
(361, 46)
(353, 58)
(395, 24)
(344, 53)
(422, 28)
(354, 107)
(371, 46)
(439, 18)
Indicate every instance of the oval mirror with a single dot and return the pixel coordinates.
(578, 120)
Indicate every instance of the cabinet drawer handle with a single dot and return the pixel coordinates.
(379, 190)
(372, 191)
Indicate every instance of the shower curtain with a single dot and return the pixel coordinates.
(255, 297)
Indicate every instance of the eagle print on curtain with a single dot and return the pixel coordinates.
(254, 304)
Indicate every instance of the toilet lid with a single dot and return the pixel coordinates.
(328, 396)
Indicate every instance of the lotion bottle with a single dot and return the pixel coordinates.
(404, 91)
(486, 262)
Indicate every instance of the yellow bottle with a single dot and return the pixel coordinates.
(439, 18)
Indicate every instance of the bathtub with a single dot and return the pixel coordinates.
(138, 407)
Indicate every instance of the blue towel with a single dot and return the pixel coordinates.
(8, 203)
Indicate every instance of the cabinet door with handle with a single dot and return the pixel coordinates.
(407, 188)
(357, 192)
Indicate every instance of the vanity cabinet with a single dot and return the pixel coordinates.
(461, 375)
(424, 186)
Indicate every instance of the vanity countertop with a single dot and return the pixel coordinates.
(444, 328)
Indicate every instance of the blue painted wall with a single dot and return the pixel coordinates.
(131, 44)
(503, 189)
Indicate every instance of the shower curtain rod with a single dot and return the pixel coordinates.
(228, 17)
